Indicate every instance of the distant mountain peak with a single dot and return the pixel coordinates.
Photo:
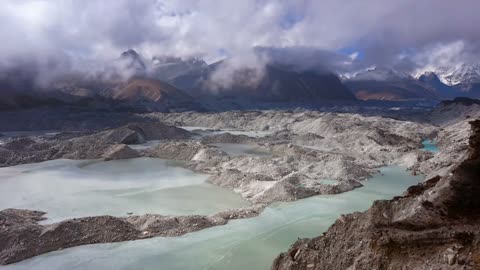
(130, 53)
(170, 67)
(429, 76)
(380, 74)
(459, 74)
(133, 60)
(166, 59)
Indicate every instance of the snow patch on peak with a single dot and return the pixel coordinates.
(455, 74)
(380, 74)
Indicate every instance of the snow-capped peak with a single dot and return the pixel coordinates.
(461, 73)
(377, 74)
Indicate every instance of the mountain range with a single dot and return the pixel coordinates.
(389, 84)
(464, 77)
(166, 83)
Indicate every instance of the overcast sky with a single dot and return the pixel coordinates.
(411, 33)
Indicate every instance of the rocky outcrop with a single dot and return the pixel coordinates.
(119, 151)
(452, 111)
(452, 140)
(434, 225)
(159, 131)
(293, 174)
(306, 147)
(22, 237)
(92, 146)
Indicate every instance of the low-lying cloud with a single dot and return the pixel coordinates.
(75, 35)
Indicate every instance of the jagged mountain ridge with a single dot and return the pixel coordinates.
(162, 76)
(133, 60)
(277, 84)
(388, 84)
(468, 88)
(139, 93)
(463, 79)
(168, 68)
(459, 74)
(445, 91)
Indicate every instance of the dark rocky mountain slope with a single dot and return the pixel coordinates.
(152, 95)
(434, 225)
(444, 91)
(278, 84)
(386, 84)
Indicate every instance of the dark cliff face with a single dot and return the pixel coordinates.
(443, 90)
(278, 84)
(464, 201)
(434, 225)
(399, 90)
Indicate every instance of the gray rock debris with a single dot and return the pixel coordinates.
(22, 237)
(119, 151)
(434, 225)
(92, 146)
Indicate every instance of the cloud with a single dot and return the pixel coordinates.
(80, 35)
(244, 69)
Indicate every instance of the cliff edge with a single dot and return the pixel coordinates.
(433, 225)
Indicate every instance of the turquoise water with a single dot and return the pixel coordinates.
(241, 244)
(67, 189)
(431, 146)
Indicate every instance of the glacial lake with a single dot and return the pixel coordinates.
(236, 149)
(430, 146)
(230, 148)
(67, 189)
(241, 244)
(206, 131)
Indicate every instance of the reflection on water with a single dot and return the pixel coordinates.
(67, 188)
(241, 244)
(234, 149)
